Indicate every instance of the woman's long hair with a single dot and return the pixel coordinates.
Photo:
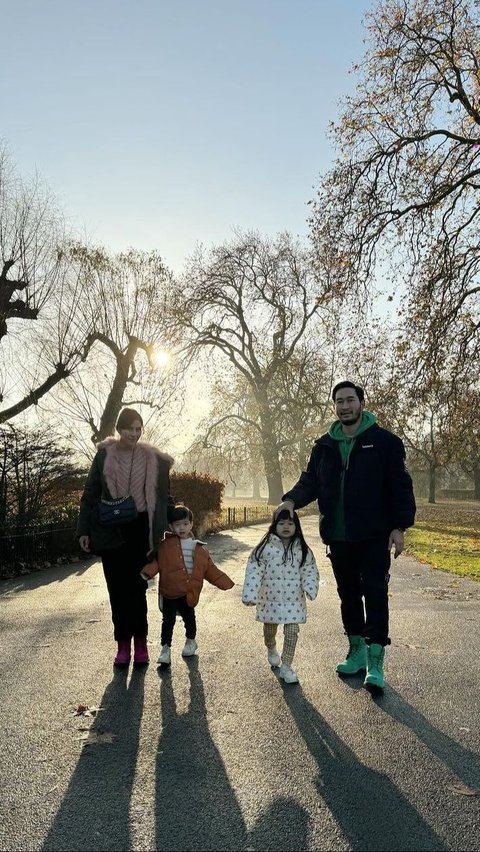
(298, 534)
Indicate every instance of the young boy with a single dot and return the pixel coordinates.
(182, 563)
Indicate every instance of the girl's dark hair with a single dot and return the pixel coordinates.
(272, 531)
(126, 418)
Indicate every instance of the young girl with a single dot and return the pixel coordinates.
(281, 570)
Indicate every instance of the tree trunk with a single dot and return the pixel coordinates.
(304, 450)
(431, 482)
(256, 488)
(476, 482)
(112, 409)
(114, 401)
(271, 462)
(275, 487)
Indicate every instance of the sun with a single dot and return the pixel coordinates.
(160, 358)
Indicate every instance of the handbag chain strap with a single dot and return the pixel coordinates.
(130, 474)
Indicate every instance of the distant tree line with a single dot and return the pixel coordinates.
(386, 290)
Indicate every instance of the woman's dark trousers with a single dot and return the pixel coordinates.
(126, 588)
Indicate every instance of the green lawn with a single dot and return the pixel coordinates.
(446, 535)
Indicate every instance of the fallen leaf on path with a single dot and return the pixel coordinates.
(92, 738)
(52, 790)
(85, 710)
(462, 790)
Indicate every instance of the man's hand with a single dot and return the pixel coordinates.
(396, 538)
(287, 505)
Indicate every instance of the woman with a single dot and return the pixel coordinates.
(126, 466)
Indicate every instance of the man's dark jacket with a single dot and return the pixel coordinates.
(378, 492)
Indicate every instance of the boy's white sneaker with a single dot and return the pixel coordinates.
(274, 657)
(189, 648)
(165, 657)
(287, 674)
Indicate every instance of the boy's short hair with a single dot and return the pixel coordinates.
(358, 390)
(179, 513)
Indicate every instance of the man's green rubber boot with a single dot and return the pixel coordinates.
(356, 659)
(375, 655)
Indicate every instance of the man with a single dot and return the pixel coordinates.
(358, 475)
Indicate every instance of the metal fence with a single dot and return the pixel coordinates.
(240, 516)
(37, 545)
(45, 543)
(40, 545)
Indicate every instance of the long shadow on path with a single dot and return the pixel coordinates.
(95, 811)
(283, 827)
(368, 808)
(42, 578)
(196, 807)
(462, 761)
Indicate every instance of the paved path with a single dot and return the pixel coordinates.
(217, 754)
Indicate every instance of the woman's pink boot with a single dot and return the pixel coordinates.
(141, 653)
(123, 653)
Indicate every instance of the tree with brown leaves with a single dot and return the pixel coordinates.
(402, 202)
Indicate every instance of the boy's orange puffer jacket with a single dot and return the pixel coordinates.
(174, 579)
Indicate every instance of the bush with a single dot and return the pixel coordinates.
(202, 494)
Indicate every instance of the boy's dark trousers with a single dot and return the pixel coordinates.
(361, 570)
(170, 608)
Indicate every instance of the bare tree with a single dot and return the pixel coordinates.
(228, 442)
(124, 307)
(33, 272)
(99, 321)
(252, 301)
(31, 229)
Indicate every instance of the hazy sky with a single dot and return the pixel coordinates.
(162, 124)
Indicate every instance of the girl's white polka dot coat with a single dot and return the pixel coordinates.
(278, 587)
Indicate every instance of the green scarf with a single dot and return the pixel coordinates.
(345, 446)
